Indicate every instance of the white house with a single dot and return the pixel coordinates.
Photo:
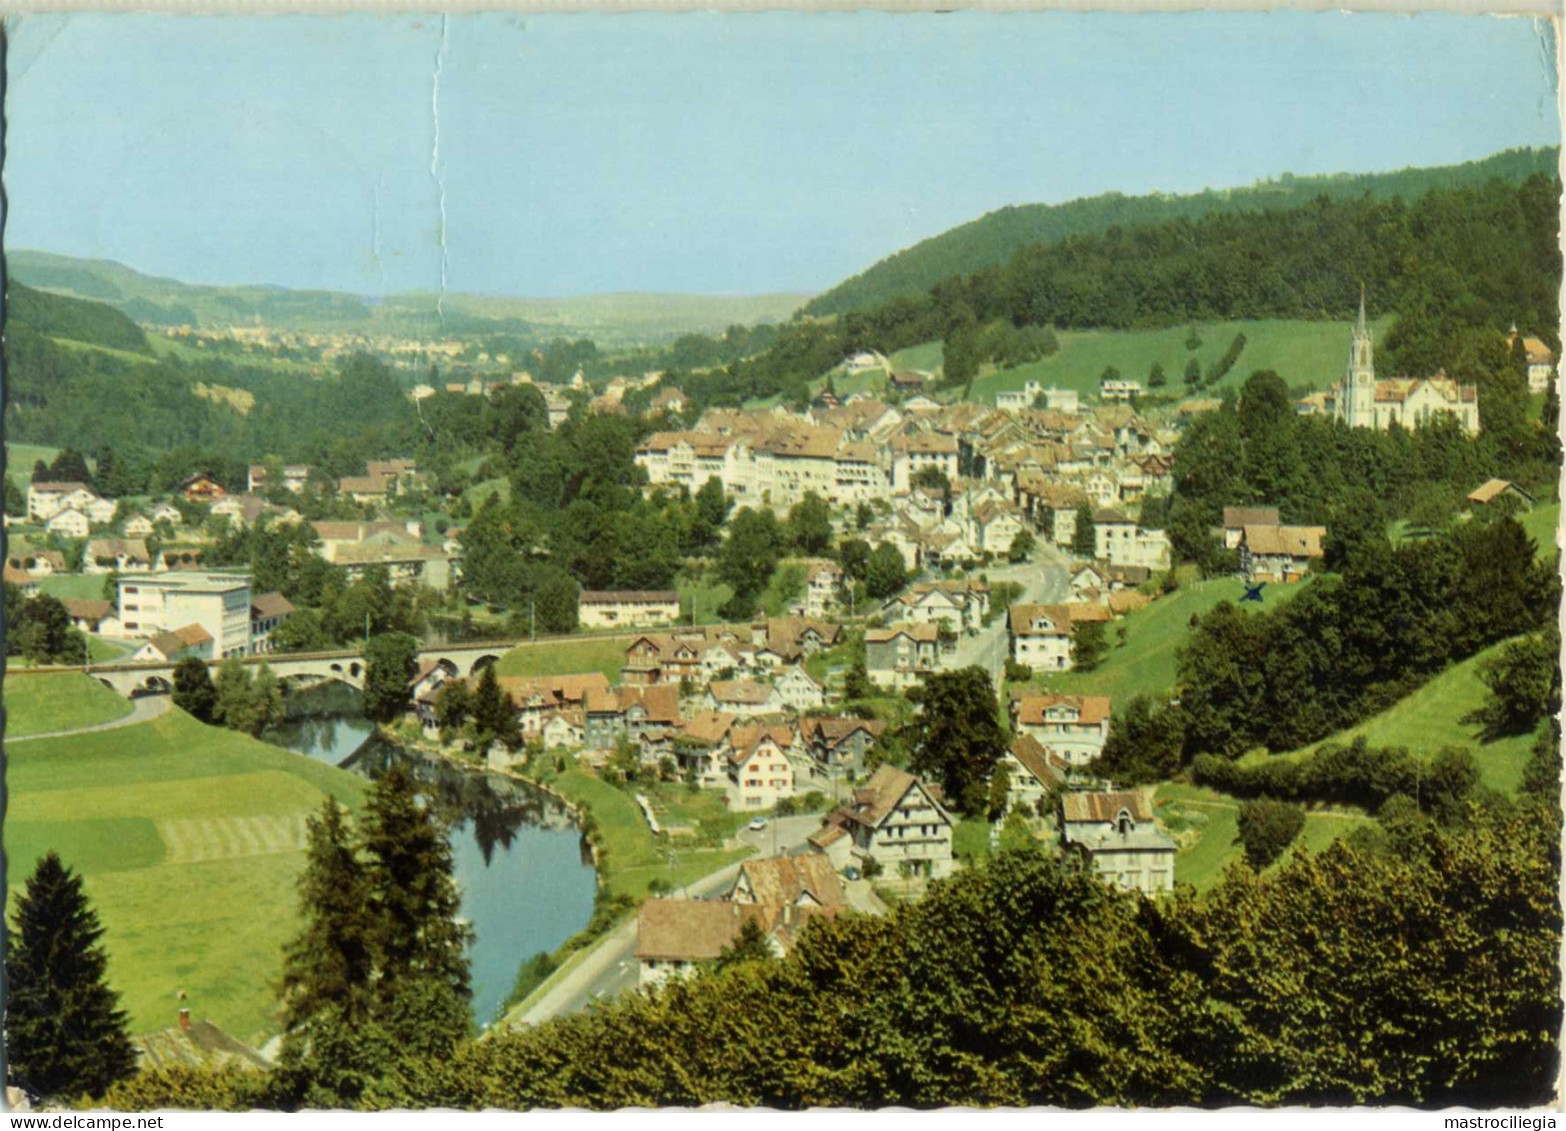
(1117, 833)
(1073, 726)
(799, 690)
(1040, 636)
(1032, 772)
(46, 499)
(95, 617)
(758, 767)
(895, 820)
(639, 607)
(69, 523)
(1120, 542)
(743, 697)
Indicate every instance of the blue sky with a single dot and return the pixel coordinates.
(708, 153)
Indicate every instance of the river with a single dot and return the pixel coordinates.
(527, 881)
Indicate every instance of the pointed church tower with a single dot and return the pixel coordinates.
(1359, 383)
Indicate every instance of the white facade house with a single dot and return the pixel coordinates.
(46, 499)
(1040, 636)
(162, 602)
(760, 773)
(69, 523)
(638, 607)
(1119, 836)
(1072, 726)
(895, 820)
(1120, 542)
(799, 690)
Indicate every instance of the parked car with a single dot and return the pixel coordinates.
(757, 824)
(851, 872)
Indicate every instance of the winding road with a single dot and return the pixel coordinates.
(143, 709)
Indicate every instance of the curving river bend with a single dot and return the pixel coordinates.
(526, 878)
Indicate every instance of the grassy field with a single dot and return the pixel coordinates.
(1431, 717)
(38, 704)
(631, 857)
(480, 491)
(1300, 352)
(19, 460)
(1541, 523)
(971, 839)
(565, 657)
(190, 841)
(1205, 825)
(1148, 661)
(82, 586)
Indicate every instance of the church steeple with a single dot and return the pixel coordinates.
(1359, 384)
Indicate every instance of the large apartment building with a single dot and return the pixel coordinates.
(150, 605)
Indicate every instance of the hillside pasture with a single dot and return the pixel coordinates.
(1148, 663)
(39, 704)
(1302, 353)
(190, 839)
(1431, 718)
(566, 657)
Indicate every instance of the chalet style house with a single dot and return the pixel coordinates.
(895, 820)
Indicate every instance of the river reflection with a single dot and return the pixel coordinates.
(526, 877)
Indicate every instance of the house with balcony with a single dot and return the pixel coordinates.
(895, 820)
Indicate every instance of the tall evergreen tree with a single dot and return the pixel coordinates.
(493, 712)
(64, 1033)
(422, 989)
(328, 969)
(1083, 541)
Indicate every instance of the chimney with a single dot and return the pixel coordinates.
(184, 1020)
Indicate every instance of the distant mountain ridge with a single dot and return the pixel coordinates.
(996, 236)
(610, 319)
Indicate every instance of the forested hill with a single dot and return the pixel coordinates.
(995, 237)
(79, 320)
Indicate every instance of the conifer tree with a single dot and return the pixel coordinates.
(64, 1034)
(492, 711)
(422, 984)
(330, 965)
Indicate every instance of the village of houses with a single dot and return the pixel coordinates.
(736, 708)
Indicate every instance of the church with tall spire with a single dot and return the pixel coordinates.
(1361, 400)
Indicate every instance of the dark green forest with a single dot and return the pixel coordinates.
(79, 320)
(1452, 260)
(995, 237)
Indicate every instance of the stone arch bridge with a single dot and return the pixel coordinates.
(131, 680)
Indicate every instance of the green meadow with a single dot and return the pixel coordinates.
(190, 839)
(39, 704)
(1432, 717)
(1302, 353)
(1148, 662)
(566, 657)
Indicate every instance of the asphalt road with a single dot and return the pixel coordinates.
(611, 967)
(1046, 581)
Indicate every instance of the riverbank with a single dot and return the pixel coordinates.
(631, 861)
